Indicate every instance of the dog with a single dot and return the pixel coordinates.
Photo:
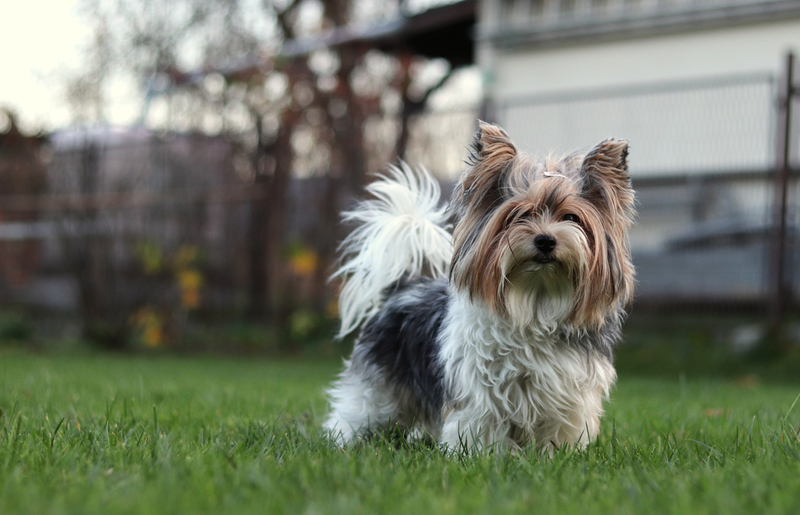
(499, 334)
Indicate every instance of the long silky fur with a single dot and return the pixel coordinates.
(514, 347)
(510, 388)
(400, 231)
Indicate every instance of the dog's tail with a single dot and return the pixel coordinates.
(401, 232)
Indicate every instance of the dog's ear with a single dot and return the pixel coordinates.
(606, 180)
(491, 146)
(478, 193)
(490, 153)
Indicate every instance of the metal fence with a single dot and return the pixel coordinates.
(150, 226)
(690, 127)
(705, 157)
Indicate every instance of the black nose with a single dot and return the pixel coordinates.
(545, 243)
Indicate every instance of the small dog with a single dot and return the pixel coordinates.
(501, 334)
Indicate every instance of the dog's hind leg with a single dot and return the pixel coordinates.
(361, 403)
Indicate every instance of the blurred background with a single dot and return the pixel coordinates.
(172, 173)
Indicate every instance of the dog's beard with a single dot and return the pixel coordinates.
(538, 289)
(539, 295)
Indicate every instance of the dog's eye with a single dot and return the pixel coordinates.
(569, 217)
(524, 217)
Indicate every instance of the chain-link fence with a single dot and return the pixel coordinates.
(136, 228)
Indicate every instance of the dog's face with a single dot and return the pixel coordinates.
(544, 241)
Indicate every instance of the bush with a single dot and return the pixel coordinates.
(15, 328)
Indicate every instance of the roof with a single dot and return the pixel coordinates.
(585, 22)
(444, 32)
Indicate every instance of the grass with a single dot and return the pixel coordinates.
(119, 434)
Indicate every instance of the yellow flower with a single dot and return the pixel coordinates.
(304, 263)
(152, 327)
(153, 337)
(190, 281)
(190, 299)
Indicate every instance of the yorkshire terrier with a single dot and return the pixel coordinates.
(499, 335)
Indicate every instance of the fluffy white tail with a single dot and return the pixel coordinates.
(400, 231)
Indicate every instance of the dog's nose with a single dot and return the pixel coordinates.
(544, 243)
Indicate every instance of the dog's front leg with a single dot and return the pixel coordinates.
(469, 431)
(578, 427)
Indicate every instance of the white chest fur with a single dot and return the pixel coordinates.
(502, 381)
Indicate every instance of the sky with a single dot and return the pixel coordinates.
(40, 42)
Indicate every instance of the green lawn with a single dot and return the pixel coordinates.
(119, 434)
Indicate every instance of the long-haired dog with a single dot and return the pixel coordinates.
(501, 334)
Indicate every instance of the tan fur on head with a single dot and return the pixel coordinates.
(585, 203)
(491, 143)
(491, 151)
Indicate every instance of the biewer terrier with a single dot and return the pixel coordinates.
(499, 335)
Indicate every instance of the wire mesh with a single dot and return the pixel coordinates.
(702, 163)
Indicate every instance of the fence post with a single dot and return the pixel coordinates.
(779, 291)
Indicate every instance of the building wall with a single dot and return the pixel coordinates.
(748, 49)
(691, 102)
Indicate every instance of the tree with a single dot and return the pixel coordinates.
(220, 65)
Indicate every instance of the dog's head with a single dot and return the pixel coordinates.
(544, 240)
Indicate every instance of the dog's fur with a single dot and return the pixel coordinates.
(514, 346)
